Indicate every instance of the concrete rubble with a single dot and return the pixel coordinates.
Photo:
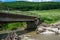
(50, 29)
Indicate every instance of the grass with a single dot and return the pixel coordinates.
(12, 26)
(49, 16)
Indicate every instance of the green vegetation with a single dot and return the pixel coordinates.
(12, 26)
(26, 6)
(47, 11)
(49, 16)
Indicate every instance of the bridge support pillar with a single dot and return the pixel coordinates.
(31, 26)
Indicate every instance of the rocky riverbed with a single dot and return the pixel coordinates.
(43, 32)
(49, 29)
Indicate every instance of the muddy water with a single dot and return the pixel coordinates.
(44, 37)
(39, 36)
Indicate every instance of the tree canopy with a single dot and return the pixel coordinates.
(26, 6)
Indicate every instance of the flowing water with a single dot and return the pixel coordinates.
(44, 37)
(37, 36)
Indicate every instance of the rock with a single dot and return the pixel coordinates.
(59, 31)
(40, 29)
(48, 28)
(58, 27)
(48, 32)
(54, 29)
(12, 36)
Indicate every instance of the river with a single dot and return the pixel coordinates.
(36, 36)
(44, 37)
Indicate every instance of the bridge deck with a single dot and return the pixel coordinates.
(15, 17)
(31, 21)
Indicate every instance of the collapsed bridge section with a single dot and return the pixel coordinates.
(32, 21)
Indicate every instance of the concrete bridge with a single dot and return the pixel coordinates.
(32, 21)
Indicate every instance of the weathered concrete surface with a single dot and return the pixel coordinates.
(50, 29)
(15, 17)
(32, 21)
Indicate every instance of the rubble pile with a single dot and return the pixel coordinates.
(50, 29)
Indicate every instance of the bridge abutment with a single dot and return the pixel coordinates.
(31, 25)
(32, 21)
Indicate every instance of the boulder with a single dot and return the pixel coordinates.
(40, 29)
(48, 32)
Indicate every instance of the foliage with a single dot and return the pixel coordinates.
(43, 9)
(26, 6)
(12, 26)
(49, 16)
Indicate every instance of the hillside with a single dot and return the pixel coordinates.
(47, 11)
(26, 6)
(49, 16)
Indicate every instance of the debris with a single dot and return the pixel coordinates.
(51, 29)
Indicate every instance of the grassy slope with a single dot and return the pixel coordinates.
(49, 16)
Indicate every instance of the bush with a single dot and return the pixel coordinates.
(12, 26)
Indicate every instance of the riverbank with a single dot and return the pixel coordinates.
(53, 28)
(49, 16)
(9, 31)
(49, 33)
(53, 25)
